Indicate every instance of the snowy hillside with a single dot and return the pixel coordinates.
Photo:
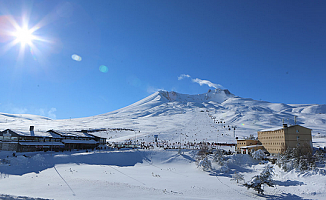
(210, 116)
(216, 115)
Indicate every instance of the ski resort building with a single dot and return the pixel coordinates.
(278, 140)
(32, 140)
(22, 141)
(246, 146)
(76, 139)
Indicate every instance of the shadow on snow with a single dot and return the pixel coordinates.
(283, 196)
(11, 197)
(288, 183)
(28, 163)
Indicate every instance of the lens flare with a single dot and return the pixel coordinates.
(33, 53)
(104, 69)
(242, 124)
(76, 57)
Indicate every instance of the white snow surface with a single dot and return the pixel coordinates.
(144, 174)
(161, 174)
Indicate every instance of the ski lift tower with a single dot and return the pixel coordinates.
(234, 127)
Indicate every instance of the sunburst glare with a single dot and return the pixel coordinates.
(21, 35)
(24, 36)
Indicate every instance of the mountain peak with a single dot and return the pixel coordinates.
(218, 90)
(216, 95)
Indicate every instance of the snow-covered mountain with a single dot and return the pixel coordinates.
(176, 117)
(173, 116)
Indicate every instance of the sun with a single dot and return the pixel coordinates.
(24, 36)
(12, 33)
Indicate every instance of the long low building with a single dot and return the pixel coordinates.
(76, 139)
(32, 140)
(243, 144)
(251, 148)
(20, 140)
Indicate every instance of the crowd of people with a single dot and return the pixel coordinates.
(169, 145)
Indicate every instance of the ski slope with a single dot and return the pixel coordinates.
(200, 117)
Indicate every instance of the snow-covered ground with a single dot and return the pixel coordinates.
(140, 174)
(159, 174)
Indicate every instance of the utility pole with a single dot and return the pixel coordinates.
(180, 152)
(217, 140)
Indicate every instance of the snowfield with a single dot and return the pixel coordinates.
(140, 174)
(215, 116)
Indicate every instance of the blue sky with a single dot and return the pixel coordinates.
(126, 50)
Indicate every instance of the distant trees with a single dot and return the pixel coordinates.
(265, 177)
(252, 137)
(205, 164)
(202, 158)
(219, 158)
(258, 155)
(237, 177)
(203, 151)
(299, 158)
(319, 156)
(205, 158)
